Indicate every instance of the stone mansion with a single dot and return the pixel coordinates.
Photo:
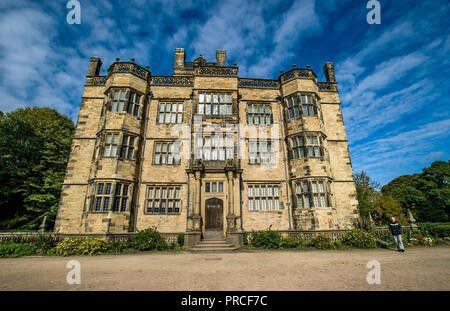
(207, 153)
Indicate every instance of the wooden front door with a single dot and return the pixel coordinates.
(214, 218)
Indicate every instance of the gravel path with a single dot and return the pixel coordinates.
(416, 269)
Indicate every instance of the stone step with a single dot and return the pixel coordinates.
(212, 249)
(213, 245)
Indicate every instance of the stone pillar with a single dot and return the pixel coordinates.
(196, 218)
(231, 217)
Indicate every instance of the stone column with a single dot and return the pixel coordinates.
(231, 218)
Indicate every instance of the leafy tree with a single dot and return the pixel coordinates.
(366, 192)
(426, 194)
(385, 207)
(34, 148)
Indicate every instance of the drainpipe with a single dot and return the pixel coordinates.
(288, 203)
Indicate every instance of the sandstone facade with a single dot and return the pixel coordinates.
(205, 152)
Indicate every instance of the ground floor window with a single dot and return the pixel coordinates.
(263, 197)
(313, 193)
(163, 199)
(110, 196)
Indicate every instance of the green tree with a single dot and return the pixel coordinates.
(385, 207)
(426, 194)
(366, 190)
(34, 148)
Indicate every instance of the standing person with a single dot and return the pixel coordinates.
(396, 231)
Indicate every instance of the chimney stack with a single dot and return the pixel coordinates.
(221, 58)
(180, 57)
(94, 67)
(328, 69)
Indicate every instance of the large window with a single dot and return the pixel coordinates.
(118, 103)
(215, 104)
(163, 199)
(263, 197)
(259, 114)
(111, 145)
(120, 198)
(126, 102)
(315, 193)
(167, 153)
(127, 147)
(304, 105)
(134, 104)
(110, 197)
(170, 113)
(260, 151)
(308, 145)
(217, 147)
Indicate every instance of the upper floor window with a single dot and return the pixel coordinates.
(304, 105)
(167, 153)
(315, 193)
(259, 114)
(263, 197)
(112, 146)
(127, 147)
(215, 104)
(118, 103)
(110, 197)
(260, 151)
(170, 113)
(134, 104)
(310, 146)
(163, 199)
(124, 101)
(215, 147)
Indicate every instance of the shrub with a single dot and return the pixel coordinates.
(81, 246)
(16, 250)
(322, 241)
(359, 238)
(437, 229)
(180, 239)
(148, 239)
(46, 244)
(270, 240)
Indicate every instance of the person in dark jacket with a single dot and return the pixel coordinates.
(396, 231)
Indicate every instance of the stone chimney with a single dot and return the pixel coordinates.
(328, 69)
(221, 58)
(94, 67)
(180, 57)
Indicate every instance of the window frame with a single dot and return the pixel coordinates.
(214, 103)
(309, 194)
(263, 200)
(173, 202)
(174, 154)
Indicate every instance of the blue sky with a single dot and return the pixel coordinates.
(393, 77)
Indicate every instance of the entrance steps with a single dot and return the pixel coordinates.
(210, 245)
